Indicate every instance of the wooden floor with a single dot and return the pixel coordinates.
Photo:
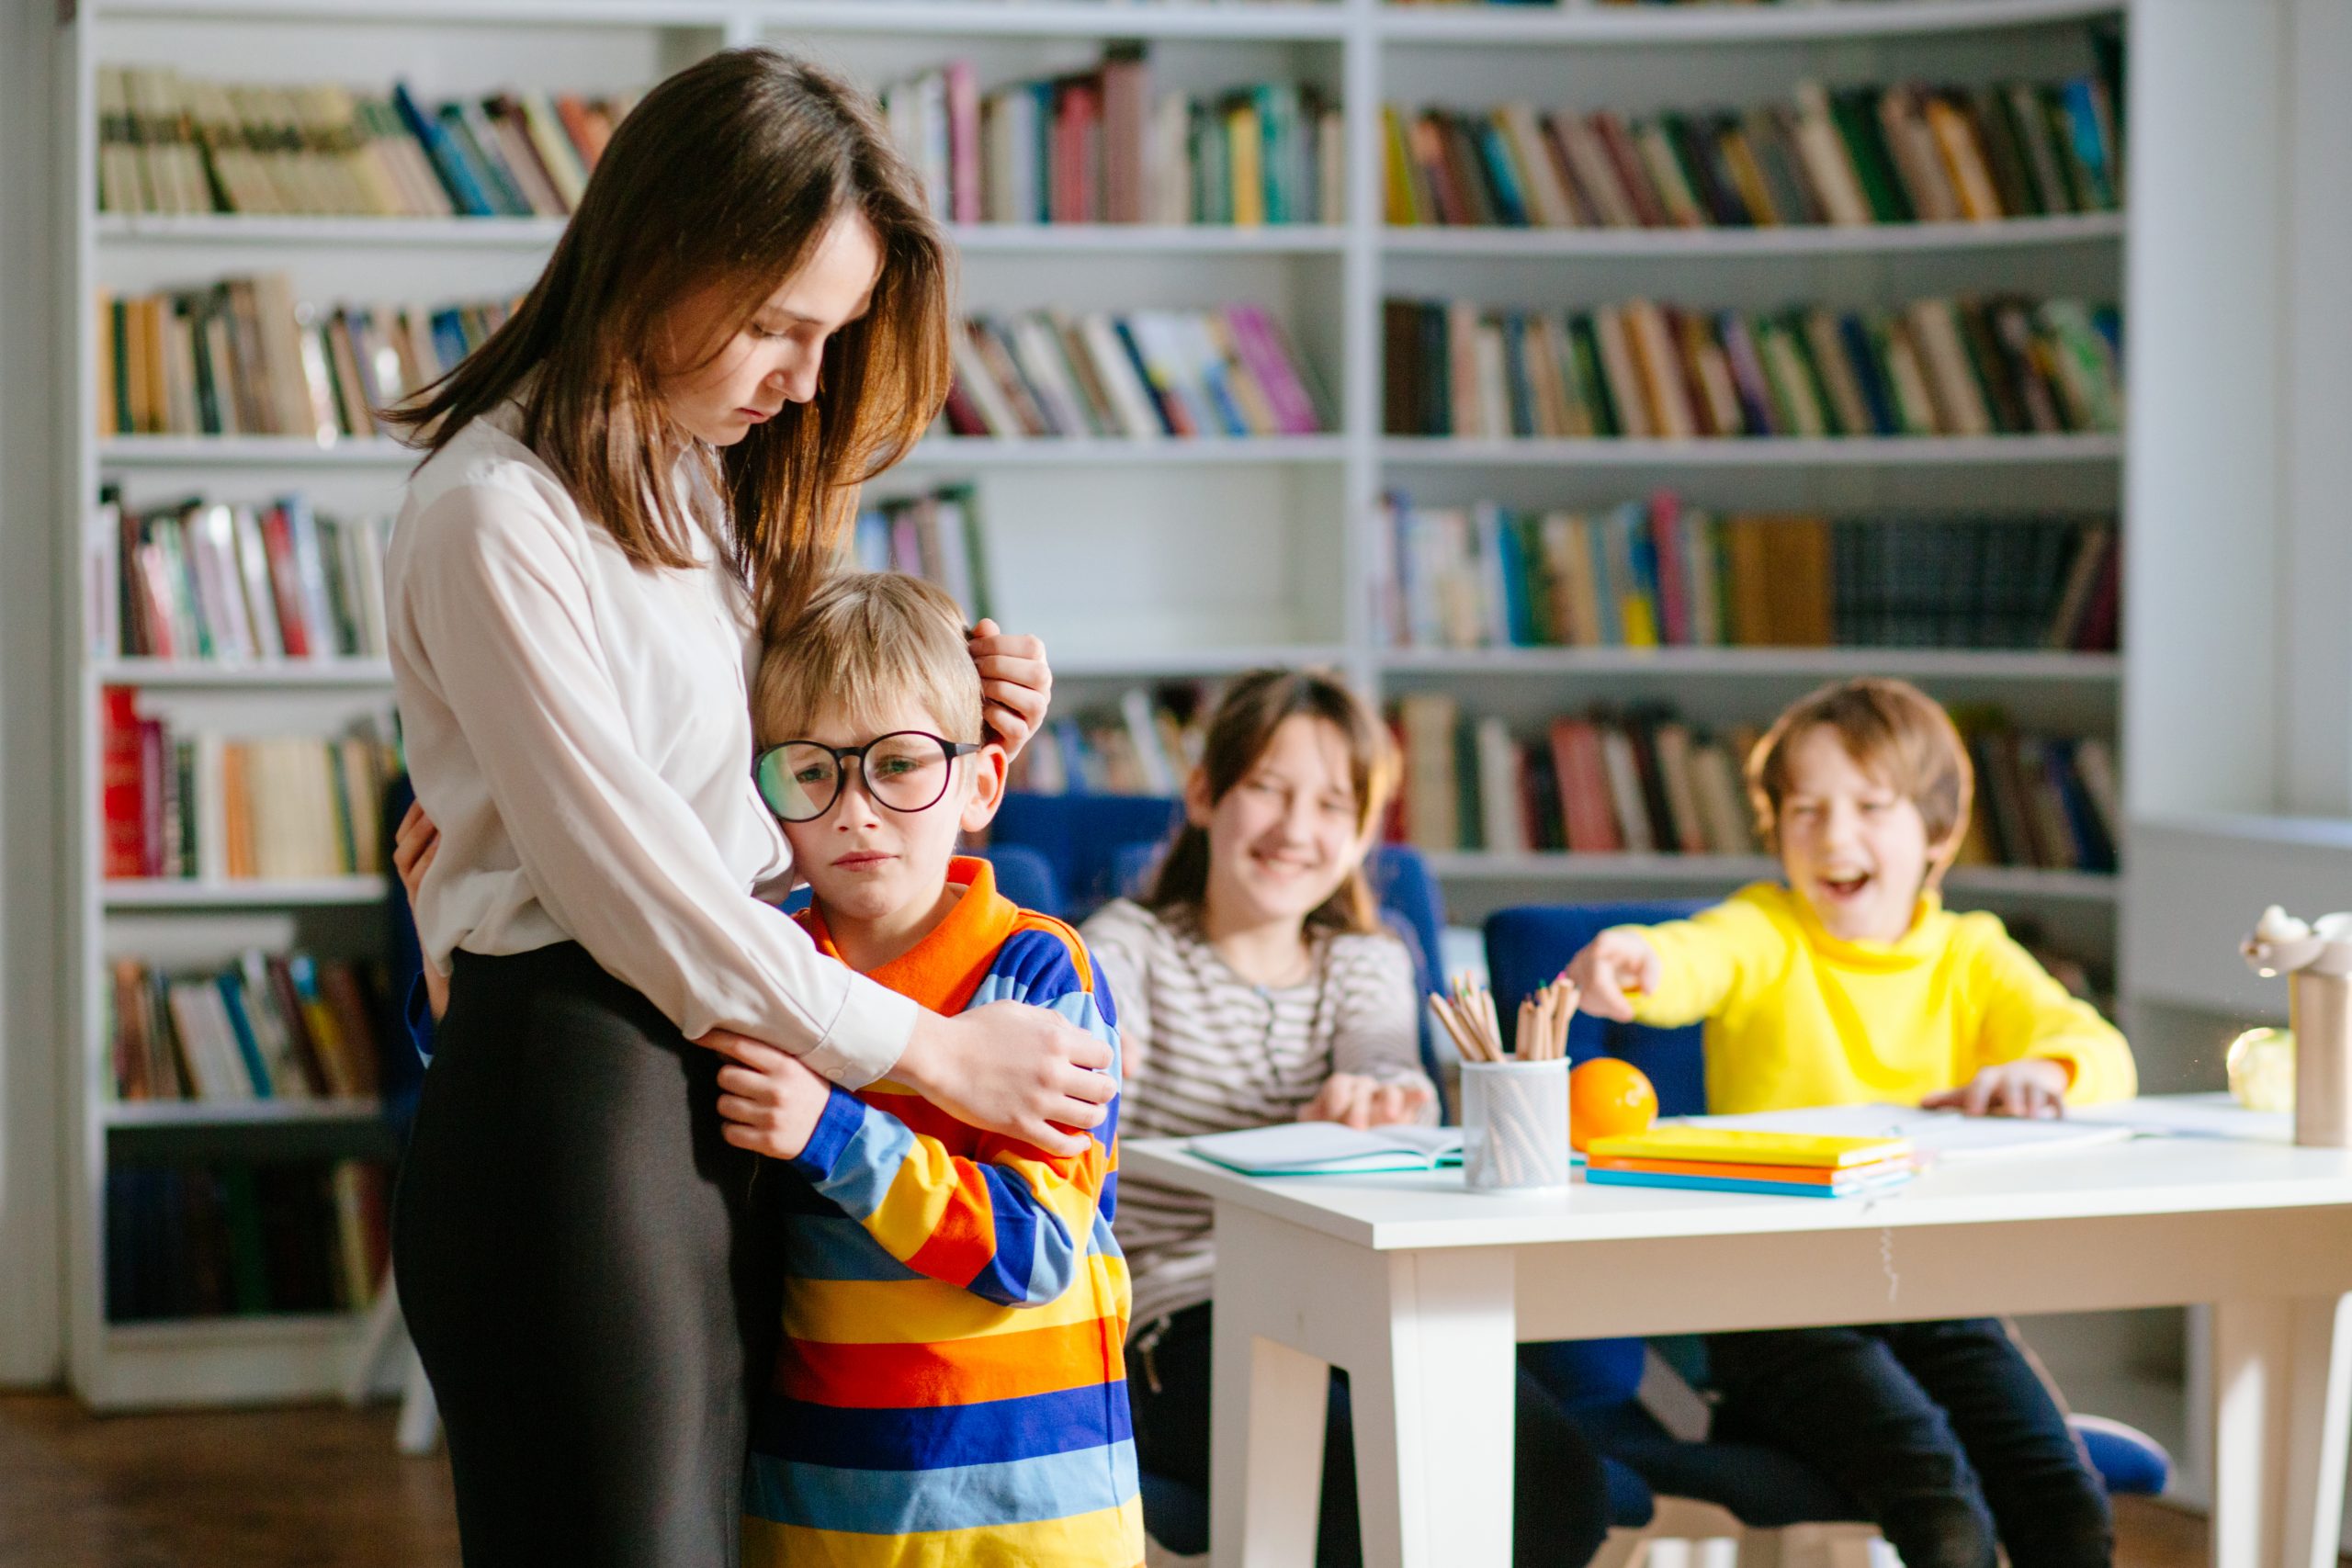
(321, 1488)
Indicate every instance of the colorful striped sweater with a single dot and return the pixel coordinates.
(951, 1387)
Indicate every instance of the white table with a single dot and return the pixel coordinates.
(1421, 1289)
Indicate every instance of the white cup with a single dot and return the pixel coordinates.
(1514, 1125)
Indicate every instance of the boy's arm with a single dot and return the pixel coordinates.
(1700, 960)
(2028, 1013)
(1010, 1224)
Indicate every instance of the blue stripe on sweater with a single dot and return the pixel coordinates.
(867, 1502)
(943, 1436)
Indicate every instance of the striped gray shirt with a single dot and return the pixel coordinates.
(1205, 1051)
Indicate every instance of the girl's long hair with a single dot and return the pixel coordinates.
(1254, 708)
(724, 177)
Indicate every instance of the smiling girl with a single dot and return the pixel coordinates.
(1256, 984)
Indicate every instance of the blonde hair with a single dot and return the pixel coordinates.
(864, 642)
(1889, 729)
(1239, 733)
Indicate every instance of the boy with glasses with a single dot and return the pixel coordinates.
(950, 1382)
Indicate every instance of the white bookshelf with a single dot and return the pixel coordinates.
(1200, 558)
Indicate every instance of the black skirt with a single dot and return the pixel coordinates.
(589, 1272)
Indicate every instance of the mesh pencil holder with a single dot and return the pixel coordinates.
(1514, 1124)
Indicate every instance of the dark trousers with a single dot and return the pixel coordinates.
(587, 1270)
(1560, 1500)
(1946, 1434)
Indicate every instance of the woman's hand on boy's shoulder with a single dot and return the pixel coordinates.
(1613, 969)
(2035, 1088)
(770, 1101)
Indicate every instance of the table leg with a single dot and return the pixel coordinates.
(2282, 1398)
(1268, 1400)
(1433, 1417)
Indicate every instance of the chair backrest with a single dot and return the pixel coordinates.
(1529, 944)
(1026, 877)
(1081, 837)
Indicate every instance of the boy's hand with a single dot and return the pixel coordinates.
(1354, 1101)
(1612, 968)
(770, 1101)
(414, 843)
(2035, 1089)
(1017, 683)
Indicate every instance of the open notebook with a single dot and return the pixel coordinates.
(1936, 1136)
(1326, 1148)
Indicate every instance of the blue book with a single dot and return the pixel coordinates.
(1502, 178)
(233, 998)
(2090, 147)
(464, 191)
(1522, 390)
(1876, 394)
(504, 200)
(1872, 1187)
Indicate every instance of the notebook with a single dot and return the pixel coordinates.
(1326, 1148)
(1936, 1136)
(1750, 1145)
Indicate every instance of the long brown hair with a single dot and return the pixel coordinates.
(726, 176)
(1254, 708)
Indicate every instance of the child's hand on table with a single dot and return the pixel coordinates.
(2035, 1089)
(1612, 968)
(771, 1102)
(1354, 1101)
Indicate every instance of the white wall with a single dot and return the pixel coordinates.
(30, 1344)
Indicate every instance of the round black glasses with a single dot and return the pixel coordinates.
(906, 770)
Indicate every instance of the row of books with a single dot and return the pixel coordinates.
(1643, 782)
(203, 580)
(215, 807)
(268, 1026)
(1142, 374)
(244, 357)
(1941, 366)
(1909, 153)
(1100, 146)
(174, 144)
(1146, 744)
(1662, 573)
(935, 535)
(242, 1238)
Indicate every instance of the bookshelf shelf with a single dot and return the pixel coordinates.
(286, 673)
(175, 1113)
(1199, 661)
(1698, 871)
(982, 452)
(1738, 452)
(1233, 552)
(471, 233)
(165, 893)
(1583, 24)
(1734, 663)
(1870, 239)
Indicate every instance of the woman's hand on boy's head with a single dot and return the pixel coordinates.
(769, 1100)
(1017, 683)
(2035, 1088)
(1353, 1099)
(1614, 966)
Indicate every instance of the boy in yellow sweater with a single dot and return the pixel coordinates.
(1853, 984)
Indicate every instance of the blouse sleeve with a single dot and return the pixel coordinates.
(497, 621)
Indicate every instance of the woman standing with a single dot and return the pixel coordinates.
(747, 316)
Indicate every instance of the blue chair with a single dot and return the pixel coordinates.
(1081, 837)
(1763, 1487)
(1026, 877)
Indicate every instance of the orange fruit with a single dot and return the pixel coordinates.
(1608, 1098)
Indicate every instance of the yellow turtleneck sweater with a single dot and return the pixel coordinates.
(1797, 1017)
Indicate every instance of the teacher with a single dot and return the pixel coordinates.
(653, 459)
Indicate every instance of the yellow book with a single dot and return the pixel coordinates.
(1245, 150)
(1742, 1146)
(1402, 208)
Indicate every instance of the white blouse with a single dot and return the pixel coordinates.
(579, 728)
